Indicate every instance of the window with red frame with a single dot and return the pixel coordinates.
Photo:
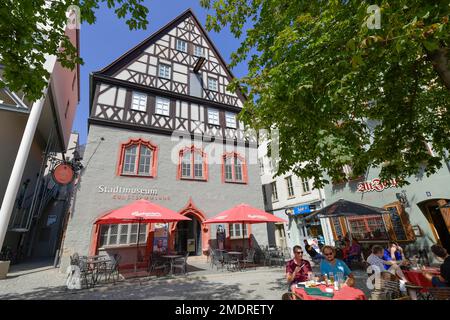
(193, 164)
(138, 158)
(234, 168)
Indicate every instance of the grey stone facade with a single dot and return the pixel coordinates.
(211, 197)
(421, 191)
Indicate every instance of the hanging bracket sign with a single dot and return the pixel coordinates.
(63, 174)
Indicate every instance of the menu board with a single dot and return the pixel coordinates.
(397, 224)
(337, 226)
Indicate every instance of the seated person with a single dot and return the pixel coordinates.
(443, 280)
(354, 252)
(297, 269)
(394, 253)
(376, 260)
(339, 243)
(311, 251)
(331, 265)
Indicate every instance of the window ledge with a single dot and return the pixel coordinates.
(194, 179)
(238, 238)
(135, 175)
(236, 182)
(291, 197)
(306, 193)
(273, 201)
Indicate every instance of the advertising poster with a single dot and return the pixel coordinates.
(160, 239)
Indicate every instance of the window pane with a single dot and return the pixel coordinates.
(212, 84)
(213, 116)
(198, 51)
(162, 106)
(181, 45)
(198, 165)
(143, 233)
(305, 184)
(130, 159)
(139, 101)
(274, 191)
(186, 164)
(123, 234)
(104, 235)
(145, 160)
(231, 230)
(230, 119)
(113, 230)
(228, 169)
(238, 169)
(237, 228)
(164, 71)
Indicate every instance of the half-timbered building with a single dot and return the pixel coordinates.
(163, 127)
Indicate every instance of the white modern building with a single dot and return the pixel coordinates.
(293, 199)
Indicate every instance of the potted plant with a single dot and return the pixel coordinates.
(4, 262)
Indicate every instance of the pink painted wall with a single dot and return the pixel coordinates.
(66, 91)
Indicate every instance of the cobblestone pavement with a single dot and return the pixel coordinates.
(46, 282)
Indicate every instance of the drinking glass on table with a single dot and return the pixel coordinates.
(340, 278)
(331, 277)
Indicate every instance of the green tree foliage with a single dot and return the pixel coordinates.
(318, 72)
(32, 29)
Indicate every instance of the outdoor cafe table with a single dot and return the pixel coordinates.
(345, 293)
(418, 278)
(172, 258)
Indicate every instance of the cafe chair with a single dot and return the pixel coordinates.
(386, 289)
(111, 269)
(441, 293)
(158, 263)
(249, 259)
(181, 263)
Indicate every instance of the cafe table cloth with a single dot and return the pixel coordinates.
(345, 293)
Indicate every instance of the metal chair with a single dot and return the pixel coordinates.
(158, 263)
(231, 262)
(181, 263)
(249, 258)
(111, 268)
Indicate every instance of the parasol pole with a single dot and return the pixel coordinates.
(243, 239)
(137, 245)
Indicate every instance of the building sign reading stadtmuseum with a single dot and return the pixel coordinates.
(127, 193)
(376, 185)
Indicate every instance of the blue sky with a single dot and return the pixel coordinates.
(107, 39)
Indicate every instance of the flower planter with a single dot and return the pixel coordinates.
(4, 267)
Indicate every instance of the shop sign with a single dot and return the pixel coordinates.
(376, 185)
(130, 193)
(303, 209)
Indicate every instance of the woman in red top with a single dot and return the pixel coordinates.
(297, 269)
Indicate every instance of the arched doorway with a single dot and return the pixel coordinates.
(438, 218)
(190, 236)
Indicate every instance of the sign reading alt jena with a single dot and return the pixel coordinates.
(376, 185)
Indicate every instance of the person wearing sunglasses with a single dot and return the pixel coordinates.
(297, 269)
(331, 265)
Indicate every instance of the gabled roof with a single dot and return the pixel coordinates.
(138, 49)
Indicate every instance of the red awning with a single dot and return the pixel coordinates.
(244, 213)
(142, 211)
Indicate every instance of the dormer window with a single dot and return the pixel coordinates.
(181, 45)
(139, 102)
(212, 84)
(164, 71)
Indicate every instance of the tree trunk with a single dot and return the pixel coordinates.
(440, 61)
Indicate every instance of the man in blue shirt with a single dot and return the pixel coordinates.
(331, 265)
(393, 253)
